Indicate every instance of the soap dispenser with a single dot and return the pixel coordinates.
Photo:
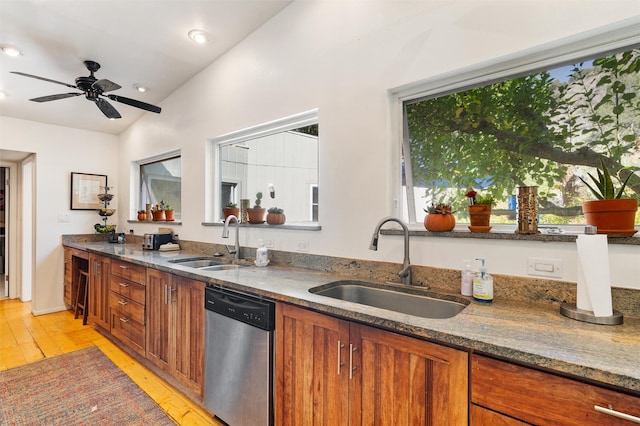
(466, 282)
(483, 285)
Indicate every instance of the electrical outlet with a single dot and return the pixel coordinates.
(268, 243)
(64, 217)
(544, 267)
(302, 246)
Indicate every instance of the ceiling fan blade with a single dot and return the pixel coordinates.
(44, 79)
(55, 97)
(134, 103)
(107, 109)
(106, 85)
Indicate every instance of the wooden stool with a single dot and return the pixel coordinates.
(82, 296)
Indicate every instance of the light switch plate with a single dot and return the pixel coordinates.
(544, 267)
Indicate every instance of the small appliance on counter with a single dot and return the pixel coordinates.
(154, 241)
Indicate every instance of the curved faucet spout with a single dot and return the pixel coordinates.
(405, 274)
(225, 234)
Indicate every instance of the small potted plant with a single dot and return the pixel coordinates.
(479, 209)
(256, 214)
(439, 218)
(610, 213)
(157, 212)
(231, 209)
(142, 215)
(275, 216)
(168, 211)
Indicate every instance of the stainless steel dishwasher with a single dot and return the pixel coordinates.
(238, 365)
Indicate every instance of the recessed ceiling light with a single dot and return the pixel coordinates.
(140, 88)
(9, 50)
(198, 36)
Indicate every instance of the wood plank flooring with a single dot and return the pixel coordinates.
(25, 338)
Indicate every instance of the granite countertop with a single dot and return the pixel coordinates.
(534, 334)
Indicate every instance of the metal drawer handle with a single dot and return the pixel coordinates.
(122, 302)
(352, 349)
(610, 411)
(340, 363)
(124, 320)
(123, 285)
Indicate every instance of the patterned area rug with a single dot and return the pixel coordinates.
(81, 387)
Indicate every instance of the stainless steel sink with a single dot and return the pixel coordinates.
(394, 298)
(200, 262)
(221, 267)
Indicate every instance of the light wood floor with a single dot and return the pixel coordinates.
(25, 338)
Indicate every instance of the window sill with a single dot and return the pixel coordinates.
(172, 222)
(508, 233)
(311, 226)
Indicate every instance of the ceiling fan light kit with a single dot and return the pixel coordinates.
(94, 90)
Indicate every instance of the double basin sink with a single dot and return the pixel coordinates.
(399, 298)
(206, 264)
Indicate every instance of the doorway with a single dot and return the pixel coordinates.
(4, 225)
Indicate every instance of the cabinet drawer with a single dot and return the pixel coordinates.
(129, 332)
(126, 308)
(543, 398)
(76, 253)
(128, 289)
(128, 271)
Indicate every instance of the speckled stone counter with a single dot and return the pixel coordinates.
(531, 333)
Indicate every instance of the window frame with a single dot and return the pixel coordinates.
(136, 181)
(569, 50)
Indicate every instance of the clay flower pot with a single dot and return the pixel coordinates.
(479, 216)
(276, 218)
(256, 215)
(168, 215)
(612, 217)
(142, 216)
(157, 215)
(436, 222)
(230, 211)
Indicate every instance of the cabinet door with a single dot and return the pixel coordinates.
(158, 299)
(68, 280)
(401, 380)
(188, 362)
(311, 368)
(99, 282)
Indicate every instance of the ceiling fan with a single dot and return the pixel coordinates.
(94, 90)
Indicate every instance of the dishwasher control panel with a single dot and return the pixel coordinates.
(241, 307)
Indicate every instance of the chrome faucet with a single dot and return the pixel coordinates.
(405, 274)
(225, 234)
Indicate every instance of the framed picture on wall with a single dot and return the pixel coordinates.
(85, 188)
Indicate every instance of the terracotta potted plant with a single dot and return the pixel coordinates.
(168, 212)
(479, 209)
(256, 214)
(142, 215)
(610, 213)
(157, 212)
(439, 218)
(275, 216)
(230, 209)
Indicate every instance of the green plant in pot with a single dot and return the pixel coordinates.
(256, 213)
(168, 210)
(229, 210)
(610, 212)
(275, 216)
(439, 218)
(479, 209)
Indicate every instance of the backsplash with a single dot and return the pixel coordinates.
(524, 289)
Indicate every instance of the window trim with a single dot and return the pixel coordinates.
(134, 187)
(624, 34)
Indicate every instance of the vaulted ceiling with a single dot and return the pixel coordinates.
(142, 42)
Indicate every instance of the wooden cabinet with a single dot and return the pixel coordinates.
(99, 282)
(332, 371)
(175, 327)
(127, 302)
(541, 398)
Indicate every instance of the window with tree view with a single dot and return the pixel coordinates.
(545, 129)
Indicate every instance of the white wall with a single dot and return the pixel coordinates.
(342, 57)
(59, 151)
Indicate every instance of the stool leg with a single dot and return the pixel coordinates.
(85, 311)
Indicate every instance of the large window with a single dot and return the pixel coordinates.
(160, 181)
(545, 128)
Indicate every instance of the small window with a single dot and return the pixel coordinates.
(160, 180)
